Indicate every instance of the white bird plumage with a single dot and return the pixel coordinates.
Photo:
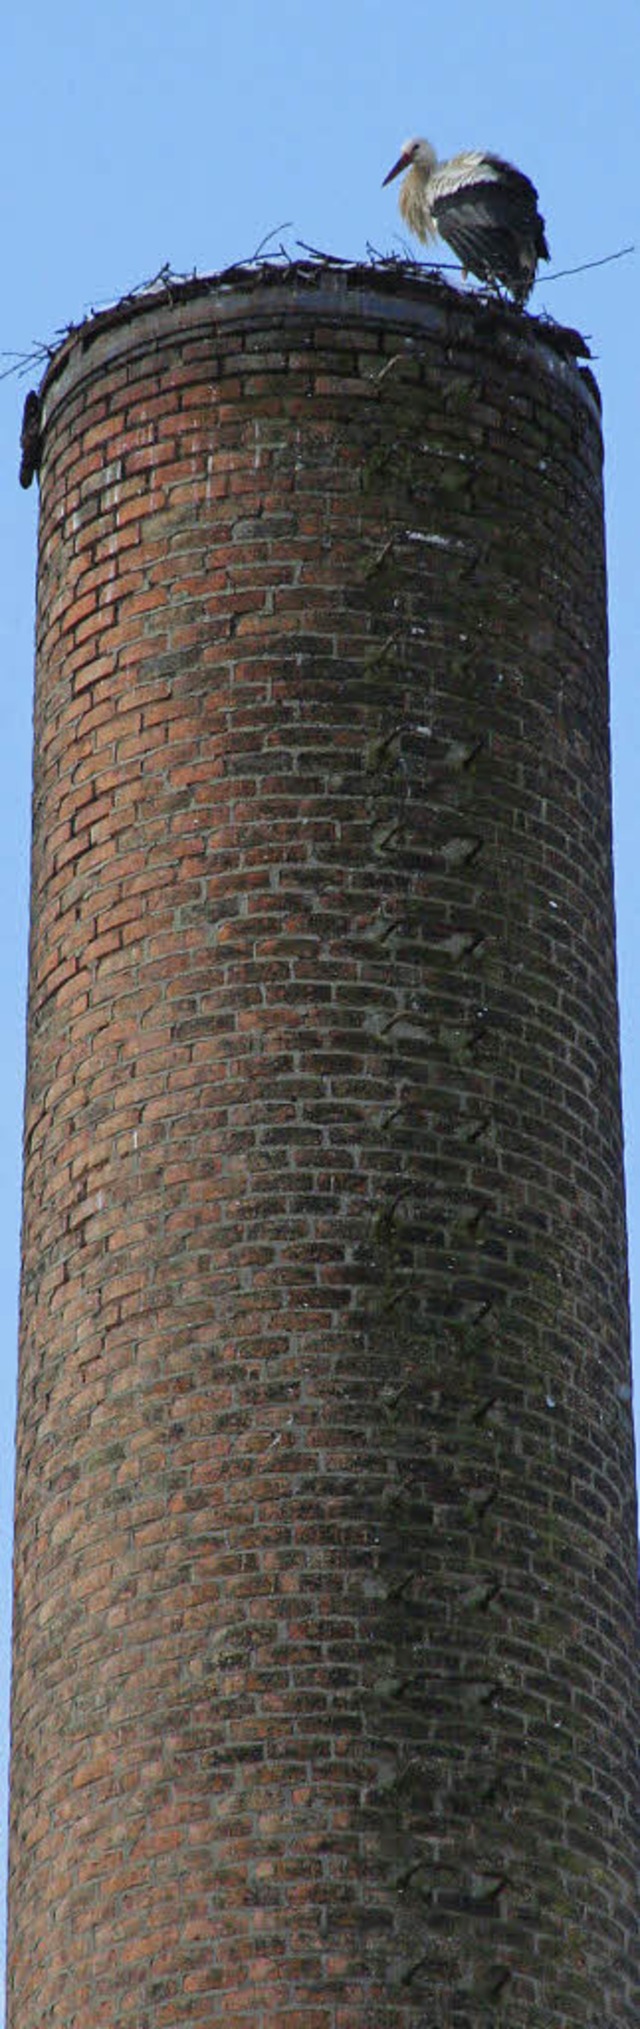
(485, 209)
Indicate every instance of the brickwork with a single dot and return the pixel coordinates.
(325, 1683)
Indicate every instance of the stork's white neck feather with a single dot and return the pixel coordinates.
(413, 203)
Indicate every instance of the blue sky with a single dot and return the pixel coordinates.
(143, 134)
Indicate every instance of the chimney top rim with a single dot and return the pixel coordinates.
(400, 291)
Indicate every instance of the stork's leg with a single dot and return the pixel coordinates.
(496, 289)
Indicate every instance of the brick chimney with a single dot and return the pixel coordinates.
(325, 1707)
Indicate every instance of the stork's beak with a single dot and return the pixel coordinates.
(402, 163)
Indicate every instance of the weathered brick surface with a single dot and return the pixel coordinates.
(325, 1683)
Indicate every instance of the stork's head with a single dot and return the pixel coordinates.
(414, 155)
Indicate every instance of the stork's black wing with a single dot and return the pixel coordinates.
(519, 203)
(494, 226)
(483, 246)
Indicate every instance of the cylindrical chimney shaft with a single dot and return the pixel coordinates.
(325, 1684)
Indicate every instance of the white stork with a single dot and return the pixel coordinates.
(487, 211)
